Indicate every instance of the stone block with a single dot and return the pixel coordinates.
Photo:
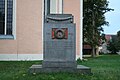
(79, 69)
(59, 52)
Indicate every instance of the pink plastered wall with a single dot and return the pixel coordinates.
(29, 17)
(28, 29)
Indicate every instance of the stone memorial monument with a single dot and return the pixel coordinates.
(59, 46)
(59, 42)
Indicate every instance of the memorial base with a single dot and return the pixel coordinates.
(39, 69)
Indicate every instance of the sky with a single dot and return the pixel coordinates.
(113, 18)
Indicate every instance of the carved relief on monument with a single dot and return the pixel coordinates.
(59, 33)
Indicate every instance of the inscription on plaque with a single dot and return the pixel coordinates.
(59, 45)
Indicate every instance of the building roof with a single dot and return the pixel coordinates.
(86, 46)
(108, 37)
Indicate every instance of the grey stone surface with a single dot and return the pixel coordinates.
(58, 64)
(39, 69)
(59, 52)
(59, 18)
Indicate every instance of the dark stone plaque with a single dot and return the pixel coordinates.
(59, 50)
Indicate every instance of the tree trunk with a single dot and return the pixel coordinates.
(93, 24)
(93, 52)
(97, 51)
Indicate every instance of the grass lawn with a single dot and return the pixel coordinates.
(105, 67)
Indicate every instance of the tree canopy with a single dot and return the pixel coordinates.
(114, 44)
(94, 19)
